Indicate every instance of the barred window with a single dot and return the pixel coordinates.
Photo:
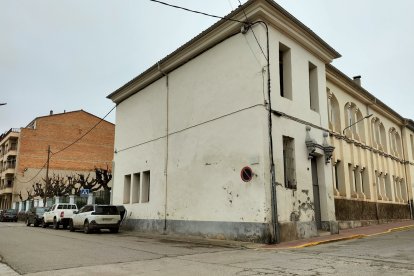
(289, 162)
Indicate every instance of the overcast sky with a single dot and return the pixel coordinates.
(69, 55)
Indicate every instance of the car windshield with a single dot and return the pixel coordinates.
(40, 210)
(106, 210)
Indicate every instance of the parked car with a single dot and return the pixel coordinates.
(35, 216)
(96, 217)
(59, 214)
(8, 215)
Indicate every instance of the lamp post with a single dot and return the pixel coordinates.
(3, 103)
(366, 117)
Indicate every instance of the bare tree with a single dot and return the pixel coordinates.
(69, 185)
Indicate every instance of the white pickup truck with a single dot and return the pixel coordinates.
(59, 214)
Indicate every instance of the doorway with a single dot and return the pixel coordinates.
(316, 199)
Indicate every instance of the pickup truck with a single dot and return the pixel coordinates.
(59, 214)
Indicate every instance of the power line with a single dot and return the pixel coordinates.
(41, 169)
(189, 127)
(260, 46)
(199, 12)
(86, 133)
(74, 142)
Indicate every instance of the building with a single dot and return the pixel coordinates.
(372, 164)
(8, 153)
(220, 140)
(26, 152)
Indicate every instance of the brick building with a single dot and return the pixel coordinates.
(58, 131)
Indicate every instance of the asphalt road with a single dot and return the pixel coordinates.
(37, 251)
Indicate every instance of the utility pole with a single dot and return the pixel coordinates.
(47, 174)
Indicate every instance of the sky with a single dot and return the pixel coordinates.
(70, 54)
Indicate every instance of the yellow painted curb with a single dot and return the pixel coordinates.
(329, 241)
(396, 229)
(359, 236)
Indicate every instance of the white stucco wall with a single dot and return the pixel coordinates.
(216, 126)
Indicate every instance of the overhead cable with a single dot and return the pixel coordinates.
(199, 12)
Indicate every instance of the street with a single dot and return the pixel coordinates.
(38, 251)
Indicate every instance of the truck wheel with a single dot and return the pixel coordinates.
(44, 224)
(71, 228)
(86, 228)
(55, 224)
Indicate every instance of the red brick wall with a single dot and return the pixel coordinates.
(94, 150)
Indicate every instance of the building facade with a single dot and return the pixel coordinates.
(225, 140)
(8, 154)
(57, 132)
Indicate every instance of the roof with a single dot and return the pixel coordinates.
(238, 14)
(330, 69)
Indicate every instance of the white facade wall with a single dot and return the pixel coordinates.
(214, 112)
(217, 124)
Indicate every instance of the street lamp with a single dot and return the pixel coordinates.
(366, 117)
(3, 103)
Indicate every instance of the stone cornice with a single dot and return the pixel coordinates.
(364, 146)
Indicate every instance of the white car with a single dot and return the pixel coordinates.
(59, 214)
(96, 217)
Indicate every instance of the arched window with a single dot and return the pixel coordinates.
(352, 116)
(378, 139)
(395, 142)
(333, 112)
(383, 137)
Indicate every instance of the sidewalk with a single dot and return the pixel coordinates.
(354, 233)
(347, 234)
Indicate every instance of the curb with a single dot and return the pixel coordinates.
(352, 237)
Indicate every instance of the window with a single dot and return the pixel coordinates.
(395, 142)
(313, 87)
(403, 190)
(333, 112)
(366, 190)
(336, 176)
(145, 193)
(106, 210)
(412, 146)
(289, 162)
(136, 184)
(285, 72)
(339, 178)
(356, 179)
(127, 188)
(388, 193)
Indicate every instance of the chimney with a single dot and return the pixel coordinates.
(51, 112)
(357, 80)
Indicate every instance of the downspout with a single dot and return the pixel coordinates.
(275, 223)
(405, 170)
(166, 146)
(372, 162)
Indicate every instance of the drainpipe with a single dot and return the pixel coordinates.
(166, 146)
(275, 223)
(405, 170)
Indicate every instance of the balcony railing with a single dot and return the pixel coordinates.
(9, 165)
(13, 147)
